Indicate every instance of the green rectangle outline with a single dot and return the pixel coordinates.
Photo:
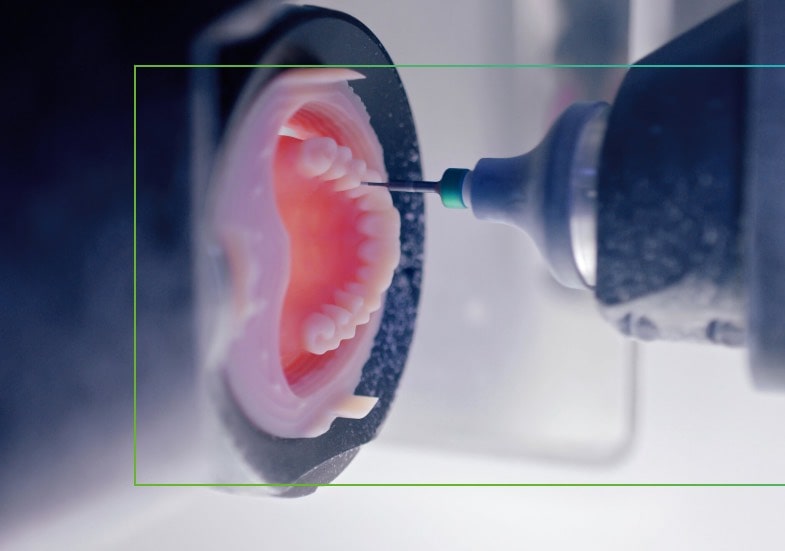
(136, 483)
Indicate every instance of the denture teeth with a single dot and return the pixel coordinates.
(372, 301)
(394, 256)
(346, 183)
(351, 301)
(355, 407)
(364, 316)
(380, 223)
(377, 219)
(355, 289)
(366, 274)
(376, 199)
(317, 155)
(367, 175)
(386, 280)
(375, 280)
(372, 175)
(357, 167)
(340, 164)
(343, 320)
(319, 333)
(339, 315)
(371, 250)
(356, 193)
(371, 305)
(326, 76)
(351, 180)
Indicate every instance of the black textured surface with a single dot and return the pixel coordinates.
(670, 191)
(313, 35)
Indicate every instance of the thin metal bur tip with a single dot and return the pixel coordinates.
(412, 186)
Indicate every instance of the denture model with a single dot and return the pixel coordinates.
(310, 253)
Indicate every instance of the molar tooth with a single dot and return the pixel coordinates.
(355, 289)
(371, 250)
(348, 331)
(372, 300)
(339, 315)
(319, 333)
(356, 193)
(393, 255)
(346, 183)
(357, 167)
(373, 303)
(316, 156)
(385, 283)
(343, 320)
(377, 276)
(350, 301)
(372, 175)
(364, 316)
(340, 164)
(375, 281)
(376, 199)
(380, 223)
(395, 224)
(366, 274)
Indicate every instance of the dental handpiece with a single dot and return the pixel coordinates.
(669, 204)
(549, 193)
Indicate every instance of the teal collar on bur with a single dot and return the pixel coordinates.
(450, 188)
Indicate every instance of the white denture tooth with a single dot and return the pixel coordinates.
(354, 174)
(358, 192)
(351, 301)
(364, 316)
(376, 281)
(350, 330)
(394, 257)
(371, 250)
(373, 303)
(325, 76)
(372, 175)
(371, 299)
(319, 333)
(384, 283)
(346, 331)
(346, 183)
(391, 253)
(355, 407)
(377, 277)
(357, 167)
(366, 275)
(380, 223)
(340, 164)
(339, 315)
(344, 320)
(356, 289)
(317, 155)
(395, 223)
(376, 199)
